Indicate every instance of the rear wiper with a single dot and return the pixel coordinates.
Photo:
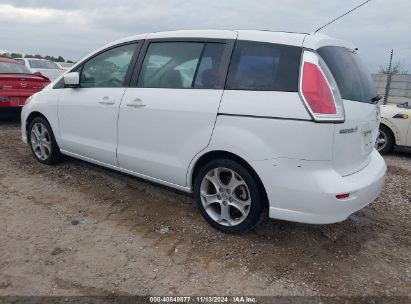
(376, 99)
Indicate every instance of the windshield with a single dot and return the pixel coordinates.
(353, 79)
(10, 67)
(43, 64)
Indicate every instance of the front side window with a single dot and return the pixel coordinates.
(170, 65)
(264, 67)
(107, 69)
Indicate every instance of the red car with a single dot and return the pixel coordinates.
(17, 83)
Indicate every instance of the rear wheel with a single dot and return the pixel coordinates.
(228, 196)
(42, 141)
(385, 140)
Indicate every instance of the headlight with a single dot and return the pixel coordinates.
(28, 100)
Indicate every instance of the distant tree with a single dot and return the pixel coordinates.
(16, 55)
(397, 68)
(60, 59)
(69, 61)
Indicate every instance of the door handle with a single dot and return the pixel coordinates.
(136, 103)
(106, 101)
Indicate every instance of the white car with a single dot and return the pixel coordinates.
(246, 120)
(46, 67)
(64, 65)
(395, 127)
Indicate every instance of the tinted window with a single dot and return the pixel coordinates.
(209, 71)
(107, 69)
(43, 64)
(353, 79)
(264, 67)
(170, 65)
(9, 67)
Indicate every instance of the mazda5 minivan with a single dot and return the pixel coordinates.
(246, 120)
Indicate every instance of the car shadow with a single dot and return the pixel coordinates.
(9, 116)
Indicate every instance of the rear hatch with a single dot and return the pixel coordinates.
(354, 138)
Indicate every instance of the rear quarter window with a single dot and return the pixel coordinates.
(263, 66)
(353, 79)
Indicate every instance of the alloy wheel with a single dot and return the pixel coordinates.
(225, 196)
(381, 141)
(40, 141)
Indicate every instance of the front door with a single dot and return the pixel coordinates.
(88, 114)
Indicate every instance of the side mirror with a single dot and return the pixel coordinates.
(71, 80)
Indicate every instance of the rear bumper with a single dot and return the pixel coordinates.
(304, 191)
(13, 102)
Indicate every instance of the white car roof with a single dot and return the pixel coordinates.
(312, 41)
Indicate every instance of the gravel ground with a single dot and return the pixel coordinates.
(78, 229)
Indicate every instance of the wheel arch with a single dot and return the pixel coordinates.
(216, 154)
(30, 118)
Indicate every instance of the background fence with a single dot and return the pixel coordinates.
(400, 87)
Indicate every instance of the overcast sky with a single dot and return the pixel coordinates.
(73, 29)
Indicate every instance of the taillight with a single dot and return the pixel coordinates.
(319, 90)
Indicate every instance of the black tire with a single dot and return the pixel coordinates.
(53, 155)
(255, 207)
(390, 140)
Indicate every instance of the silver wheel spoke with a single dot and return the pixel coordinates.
(36, 131)
(234, 182)
(214, 178)
(47, 145)
(225, 215)
(43, 152)
(209, 199)
(240, 205)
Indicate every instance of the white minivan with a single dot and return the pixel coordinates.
(246, 120)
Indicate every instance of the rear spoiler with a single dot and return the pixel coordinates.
(24, 75)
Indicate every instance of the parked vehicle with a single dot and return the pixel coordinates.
(17, 83)
(46, 67)
(246, 120)
(64, 65)
(395, 127)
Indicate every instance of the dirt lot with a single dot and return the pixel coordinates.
(77, 229)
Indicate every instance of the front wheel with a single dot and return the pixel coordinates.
(385, 140)
(228, 196)
(42, 141)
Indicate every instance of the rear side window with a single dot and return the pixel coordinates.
(262, 66)
(209, 70)
(353, 79)
(170, 65)
(183, 65)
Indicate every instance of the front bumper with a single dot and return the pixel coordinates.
(304, 191)
(23, 119)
